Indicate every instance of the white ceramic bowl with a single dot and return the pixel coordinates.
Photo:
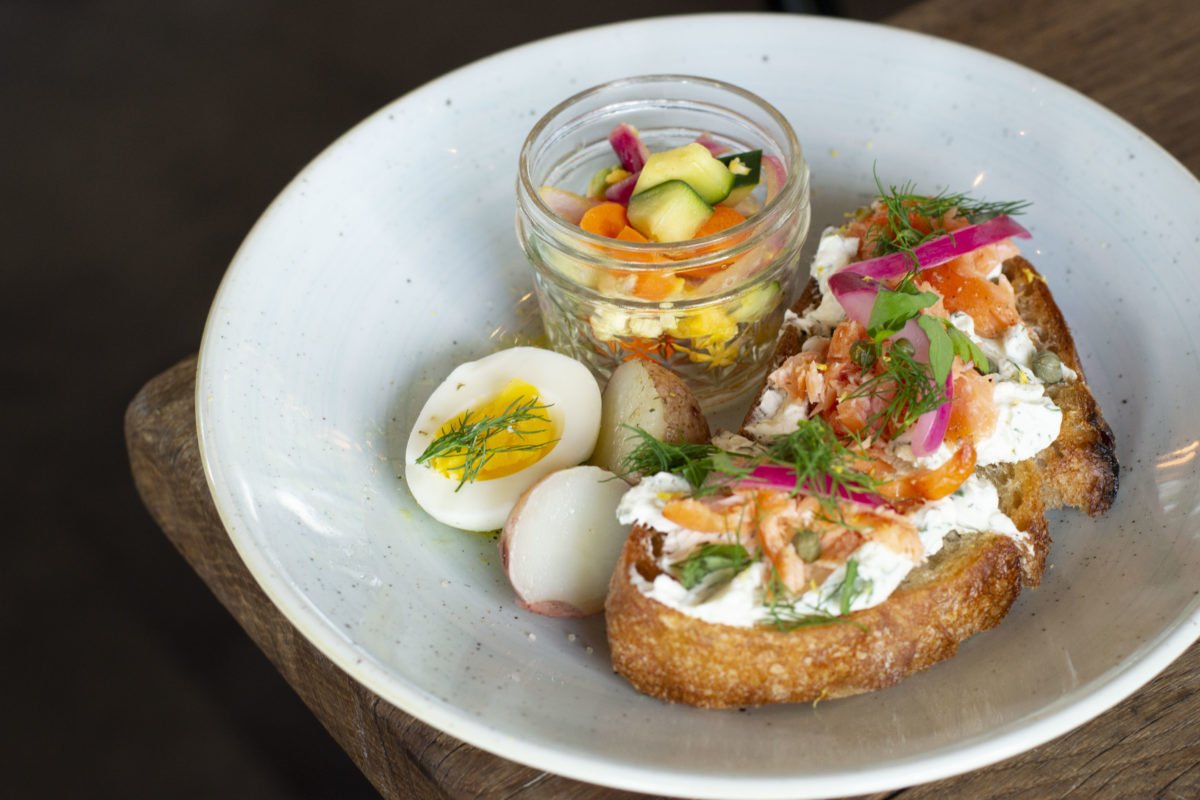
(392, 257)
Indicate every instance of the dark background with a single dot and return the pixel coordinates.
(139, 141)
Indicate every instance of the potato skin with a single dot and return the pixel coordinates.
(646, 395)
(685, 421)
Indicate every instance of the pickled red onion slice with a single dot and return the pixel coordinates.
(568, 205)
(713, 146)
(776, 476)
(775, 173)
(929, 430)
(940, 250)
(855, 293)
(630, 149)
(622, 190)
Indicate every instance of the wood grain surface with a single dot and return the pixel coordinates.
(1140, 59)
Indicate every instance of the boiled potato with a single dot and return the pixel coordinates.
(648, 396)
(562, 540)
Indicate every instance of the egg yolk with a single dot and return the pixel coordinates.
(501, 437)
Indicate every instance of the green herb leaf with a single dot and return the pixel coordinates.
(968, 350)
(946, 342)
(711, 558)
(941, 348)
(894, 308)
(850, 587)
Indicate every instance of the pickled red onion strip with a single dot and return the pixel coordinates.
(622, 190)
(855, 293)
(568, 205)
(713, 146)
(930, 428)
(776, 476)
(775, 173)
(630, 149)
(940, 250)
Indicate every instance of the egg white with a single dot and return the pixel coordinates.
(562, 383)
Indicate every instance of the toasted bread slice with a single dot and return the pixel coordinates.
(965, 588)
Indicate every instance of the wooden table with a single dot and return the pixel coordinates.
(1140, 59)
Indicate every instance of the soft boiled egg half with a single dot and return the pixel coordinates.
(494, 428)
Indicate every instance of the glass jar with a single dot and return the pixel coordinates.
(707, 308)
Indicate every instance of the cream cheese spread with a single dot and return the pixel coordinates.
(1027, 421)
(973, 508)
(1012, 354)
(741, 601)
(833, 252)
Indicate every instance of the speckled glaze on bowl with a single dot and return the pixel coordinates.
(354, 295)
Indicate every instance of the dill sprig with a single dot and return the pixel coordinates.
(909, 386)
(709, 559)
(902, 203)
(786, 616)
(693, 461)
(824, 464)
(471, 439)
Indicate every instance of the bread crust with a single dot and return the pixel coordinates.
(965, 588)
(1080, 469)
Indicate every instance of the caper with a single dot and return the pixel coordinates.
(862, 353)
(1047, 367)
(808, 545)
(903, 345)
